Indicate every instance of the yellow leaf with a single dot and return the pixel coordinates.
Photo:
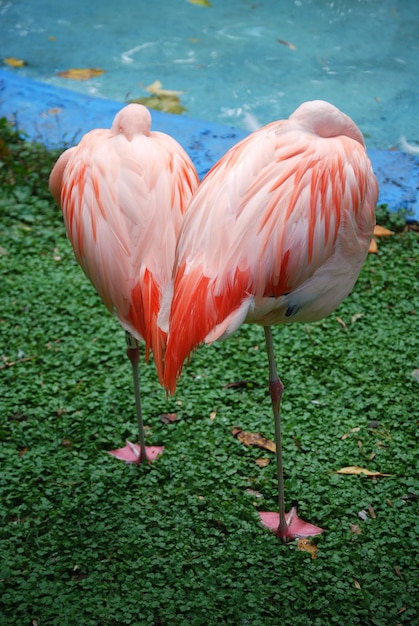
(380, 231)
(201, 3)
(355, 470)
(307, 546)
(255, 439)
(81, 73)
(341, 322)
(373, 249)
(168, 104)
(156, 88)
(356, 429)
(13, 62)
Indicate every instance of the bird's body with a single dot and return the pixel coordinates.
(276, 233)
(123, 192)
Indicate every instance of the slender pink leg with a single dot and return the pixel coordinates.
(287, 526)
(276, 389)
(132, 452)
(133, 353)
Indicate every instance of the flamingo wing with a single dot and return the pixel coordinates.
(277, 225)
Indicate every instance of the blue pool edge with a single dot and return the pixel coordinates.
(59, 117)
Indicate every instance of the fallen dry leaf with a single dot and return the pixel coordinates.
(81, 73)
(373, 249)
(254, 439)
(262, 462)
(241, 384)
(341, 322)
(356, 584)
(380, 231)
(308, 546)
(355, 470)
(168, 418)
(371, 512)
(356, 529)
(356, 429)
(356, 317)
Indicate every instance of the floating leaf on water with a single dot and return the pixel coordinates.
(81, 73)
(288, 44)
(167, 104)
(156, 88)
(201, 3)
(13, 62)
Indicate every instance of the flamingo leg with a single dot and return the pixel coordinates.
(286, 526)
(132, 452)
(276, 389)
(133, 353)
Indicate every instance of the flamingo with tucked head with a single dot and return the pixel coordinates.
(123, 192)
(276, 233)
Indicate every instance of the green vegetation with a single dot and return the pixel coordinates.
(89, 541)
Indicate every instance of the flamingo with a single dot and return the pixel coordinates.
(123, 192)
(276, 233)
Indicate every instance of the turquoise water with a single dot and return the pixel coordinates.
(239, 62)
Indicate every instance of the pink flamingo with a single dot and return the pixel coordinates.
(276, 233)
(123, 193)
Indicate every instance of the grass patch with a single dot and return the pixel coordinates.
(88, 540)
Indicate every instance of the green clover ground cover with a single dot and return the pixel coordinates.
(87, 540)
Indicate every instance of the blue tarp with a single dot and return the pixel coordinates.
(59, 117)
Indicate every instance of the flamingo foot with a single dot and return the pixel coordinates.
(296, 527)
(131, 453)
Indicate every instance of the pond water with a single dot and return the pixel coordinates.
(236, 62)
